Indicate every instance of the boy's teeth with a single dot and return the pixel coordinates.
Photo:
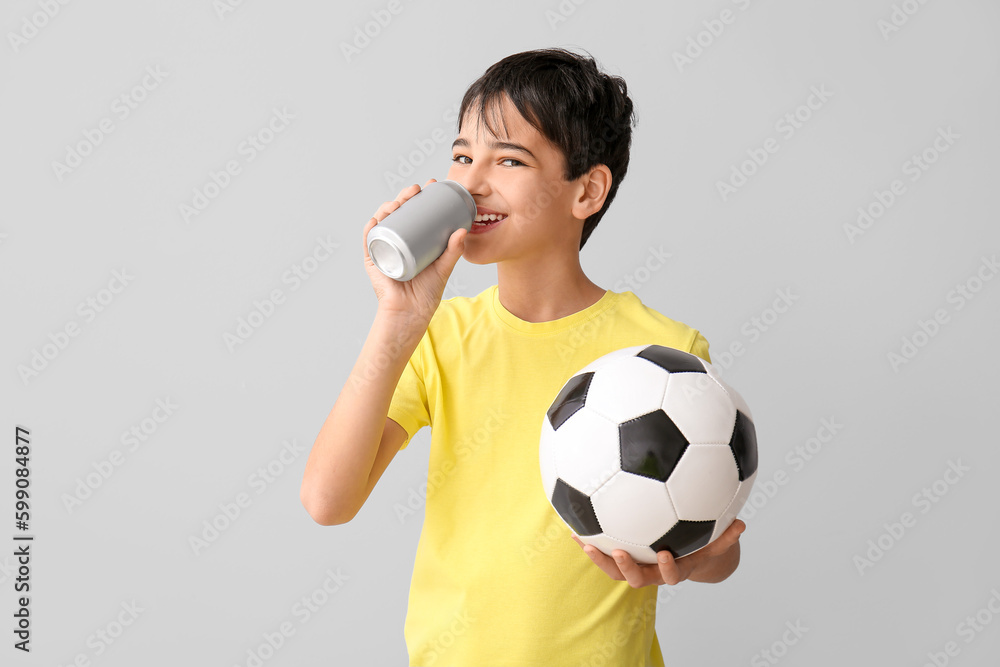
(490, 218)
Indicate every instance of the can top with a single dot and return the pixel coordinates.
(466, 195)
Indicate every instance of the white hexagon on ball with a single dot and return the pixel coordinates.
(607, 545)
(616, 502)
(734, 395)
(611, 357)
(733, 510)
(695, 500)
(585, 454)
(712, 421)
(628, 388)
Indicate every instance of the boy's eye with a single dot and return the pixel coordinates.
(458, 159)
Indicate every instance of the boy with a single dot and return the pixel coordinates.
(543, 144)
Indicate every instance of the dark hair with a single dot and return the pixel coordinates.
(585, 113)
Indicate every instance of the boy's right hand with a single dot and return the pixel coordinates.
(419, 297)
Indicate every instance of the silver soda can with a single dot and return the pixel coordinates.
(410, 238)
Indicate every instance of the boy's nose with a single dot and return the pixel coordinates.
(472, 178)
(477, 187)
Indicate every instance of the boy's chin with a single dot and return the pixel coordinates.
(480, 256)
(472, 259)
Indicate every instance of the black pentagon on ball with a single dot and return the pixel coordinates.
(671, 360)
(744, 445)
(651, 445)
(575, 509)
(684, 537)
(570, 399)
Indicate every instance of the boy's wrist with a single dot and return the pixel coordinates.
(404, 327)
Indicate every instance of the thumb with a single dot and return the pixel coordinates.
(455, 249)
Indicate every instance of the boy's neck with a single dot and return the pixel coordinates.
(545, 295)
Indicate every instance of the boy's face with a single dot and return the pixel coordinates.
(526, 186)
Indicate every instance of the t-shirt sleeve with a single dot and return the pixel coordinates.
(699, 347)
(408, 406)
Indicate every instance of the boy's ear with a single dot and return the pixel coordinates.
(594, 187)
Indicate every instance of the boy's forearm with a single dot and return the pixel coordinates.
(342, 457)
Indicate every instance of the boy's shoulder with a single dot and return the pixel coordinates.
(631, 307)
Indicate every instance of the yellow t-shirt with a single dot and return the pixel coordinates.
(498, 580)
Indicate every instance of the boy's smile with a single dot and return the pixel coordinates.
(486, 219)
(518, 178)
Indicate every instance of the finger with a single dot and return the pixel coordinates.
(729, 537)
(364, 235)
(634, 575)
(406, 193)
(604, 562)
(445, 264)
(670, 571)
(385, 209)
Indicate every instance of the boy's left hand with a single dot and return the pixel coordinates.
(713, 563)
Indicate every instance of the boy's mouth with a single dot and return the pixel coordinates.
(482, 226)
(486, 219)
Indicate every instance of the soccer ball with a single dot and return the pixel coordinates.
(647, 449)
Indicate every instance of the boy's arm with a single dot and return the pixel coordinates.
(357, 441)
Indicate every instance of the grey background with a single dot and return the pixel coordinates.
(324, 175)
